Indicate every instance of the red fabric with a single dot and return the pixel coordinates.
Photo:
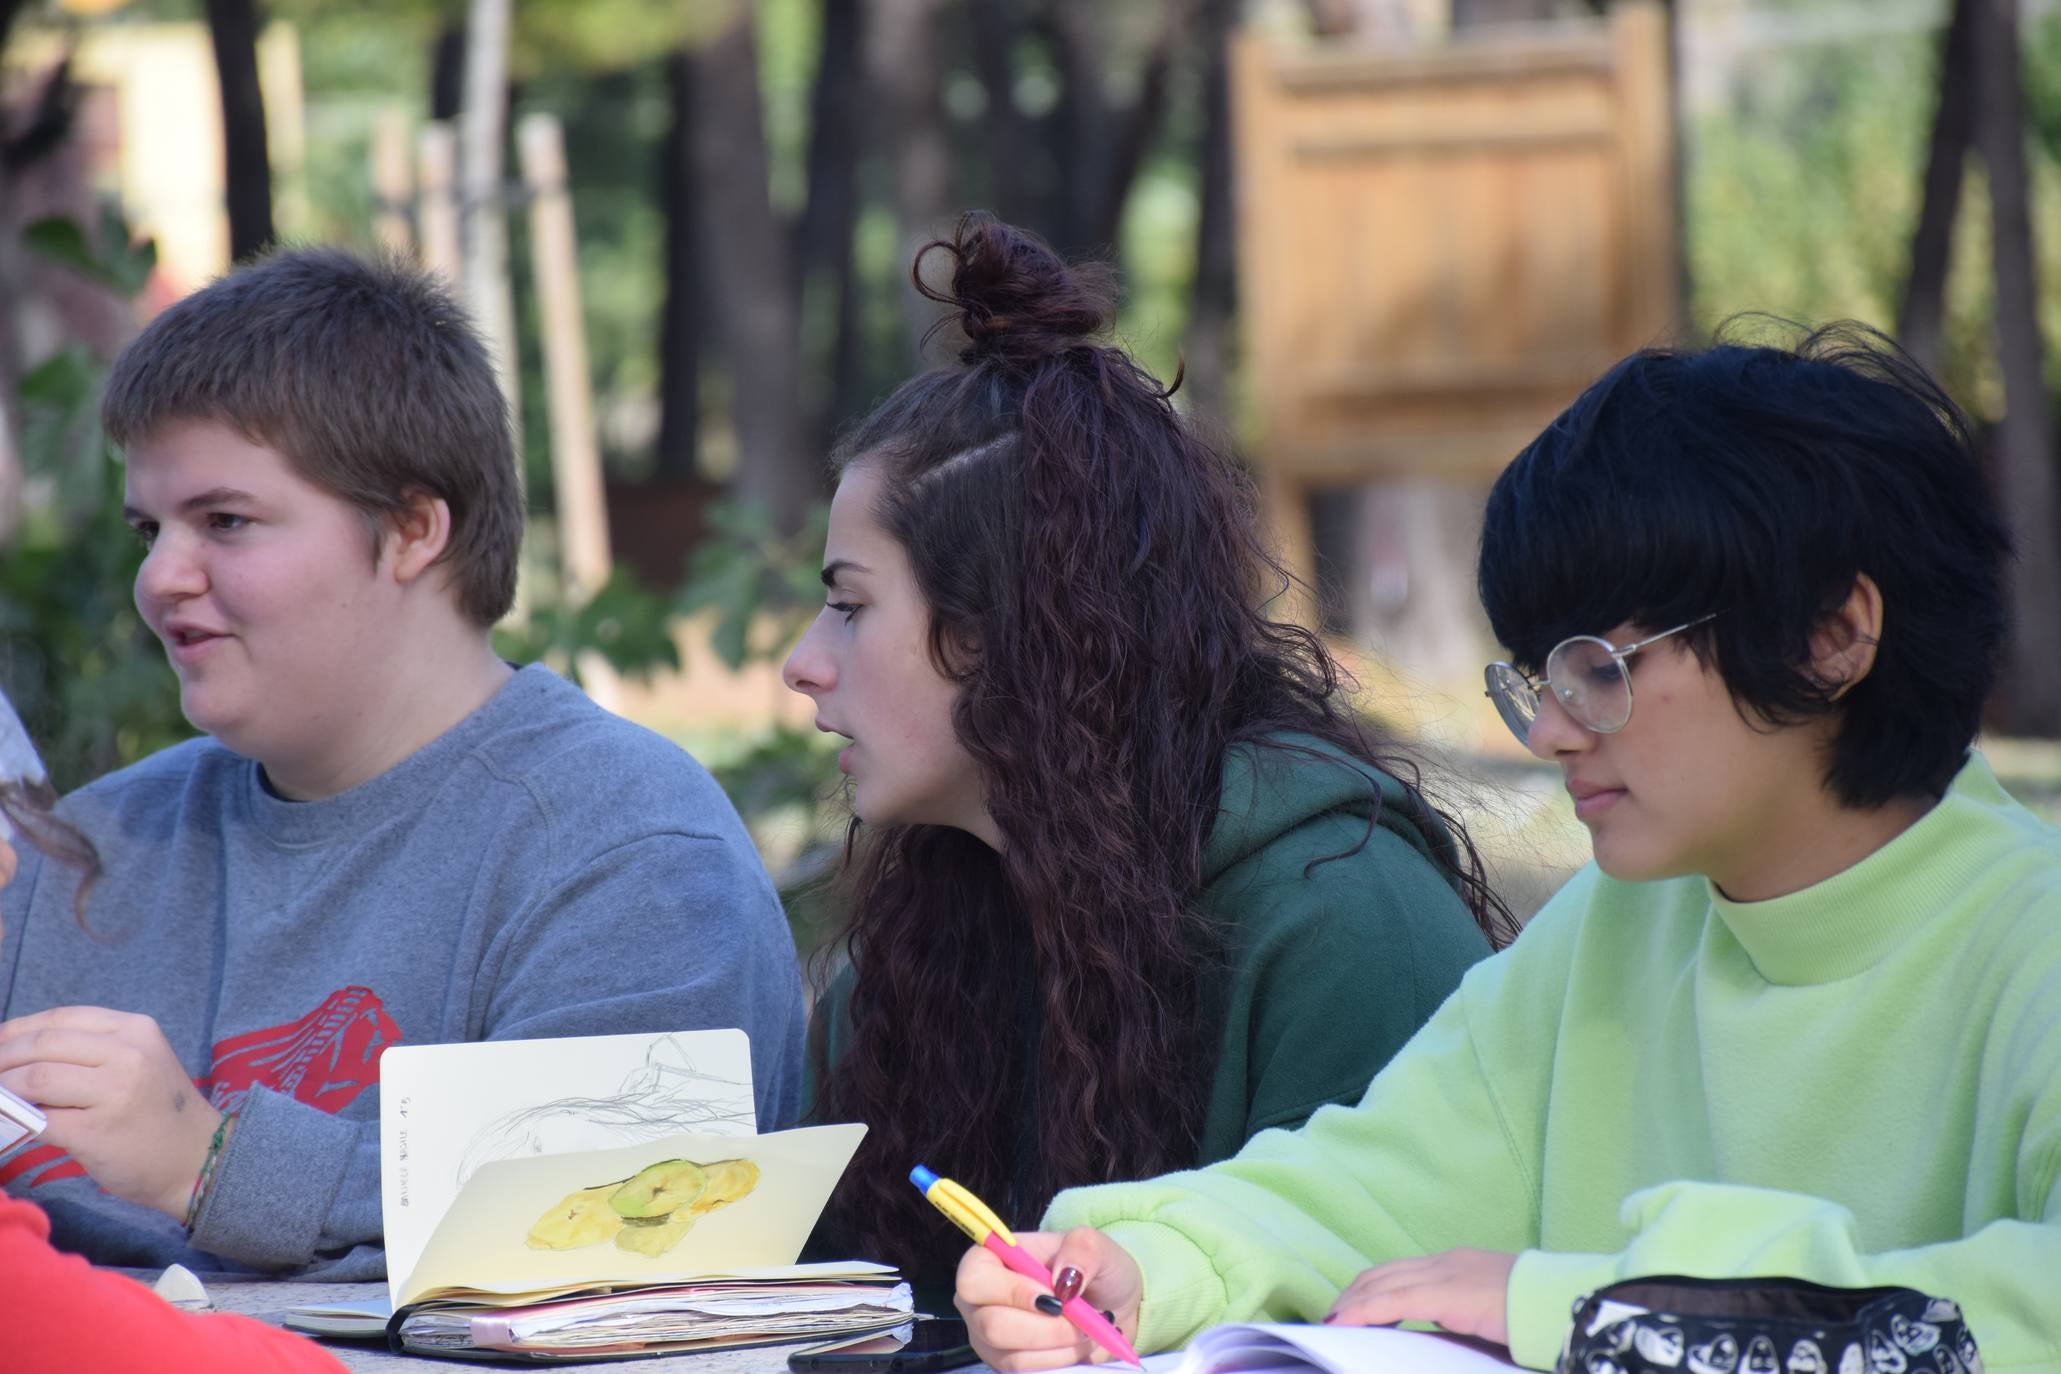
(63, 1317)
(324, 1059)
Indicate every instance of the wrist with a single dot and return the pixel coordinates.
(188, 1200)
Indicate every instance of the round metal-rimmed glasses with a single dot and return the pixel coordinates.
(1588, 677)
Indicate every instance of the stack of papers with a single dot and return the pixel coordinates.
(674, 1318)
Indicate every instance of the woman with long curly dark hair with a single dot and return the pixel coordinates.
(1123, 856)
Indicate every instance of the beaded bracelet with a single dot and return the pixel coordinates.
(207, 1170)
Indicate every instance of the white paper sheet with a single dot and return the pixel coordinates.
(1240, 1349)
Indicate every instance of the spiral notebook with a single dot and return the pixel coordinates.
(1246, 1348)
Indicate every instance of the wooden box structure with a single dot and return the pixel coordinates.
(1440, 246)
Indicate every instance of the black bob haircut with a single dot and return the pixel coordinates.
(1757, 482)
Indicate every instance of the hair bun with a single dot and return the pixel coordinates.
(1013, 298)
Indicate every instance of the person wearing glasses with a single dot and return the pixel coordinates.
(1801, 1016)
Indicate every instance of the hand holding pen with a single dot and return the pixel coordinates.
(1010, 1297)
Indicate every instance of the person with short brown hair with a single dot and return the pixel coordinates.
(392, 835)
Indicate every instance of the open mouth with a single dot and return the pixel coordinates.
(186, 640)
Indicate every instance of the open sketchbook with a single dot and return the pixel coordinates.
(510, 1234)
(444, 1110)
(1248, 1348)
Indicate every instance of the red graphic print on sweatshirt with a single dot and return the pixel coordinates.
(324, 1059)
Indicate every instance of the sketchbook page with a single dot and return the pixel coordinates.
(1340, 1350)
(546, 1221)
(444, 1110)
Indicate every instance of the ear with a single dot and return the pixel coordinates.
(417, 535)
(1844, 641)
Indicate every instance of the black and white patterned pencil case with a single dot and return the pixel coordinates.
(1672, 1325)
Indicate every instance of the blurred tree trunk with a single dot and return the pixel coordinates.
(680, 318)
(1101, 145)
(233, 25)
(2029, 703)
(823, 240)
(1922, 315)
(752, 295)
(1138, 124)
(902, 64)
(1084, 127)
(1009, 142)
(447, 71)
(1206, 350)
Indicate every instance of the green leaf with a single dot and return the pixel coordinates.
(60, 239)
(729, 640)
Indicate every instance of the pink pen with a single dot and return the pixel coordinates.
(973, 1217)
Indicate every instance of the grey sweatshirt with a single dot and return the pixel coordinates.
(542, 869)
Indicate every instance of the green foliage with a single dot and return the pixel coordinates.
(763, 589)
(87, 675)
(762, 586)
(119, 265)
(624, 622)
(760, 589)
(788, 769)
(1803, 191)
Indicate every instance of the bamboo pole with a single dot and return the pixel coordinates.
(437, 154)
(393, 184)
(575, 460)
(583, 547)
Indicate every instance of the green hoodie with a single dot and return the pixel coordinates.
(1327, 967)
(1330, 967)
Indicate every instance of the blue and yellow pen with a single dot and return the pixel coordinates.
(972, 1216)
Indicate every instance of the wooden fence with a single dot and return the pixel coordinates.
(1440, 246)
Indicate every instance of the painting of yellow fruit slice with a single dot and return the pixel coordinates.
(577, 1219)
(648, 1213)
(659, 1190)
(728, 1180)
(656, 1237)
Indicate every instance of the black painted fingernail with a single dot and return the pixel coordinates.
(1109, 1317)
(1049, 1305)
(1067, 1283)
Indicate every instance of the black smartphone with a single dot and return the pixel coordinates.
(927, 1344)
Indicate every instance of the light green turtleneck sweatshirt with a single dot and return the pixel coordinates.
(1858, 1083)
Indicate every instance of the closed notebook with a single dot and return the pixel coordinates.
(1249, 1348)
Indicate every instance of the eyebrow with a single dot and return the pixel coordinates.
(213, 496)
(836, 567)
